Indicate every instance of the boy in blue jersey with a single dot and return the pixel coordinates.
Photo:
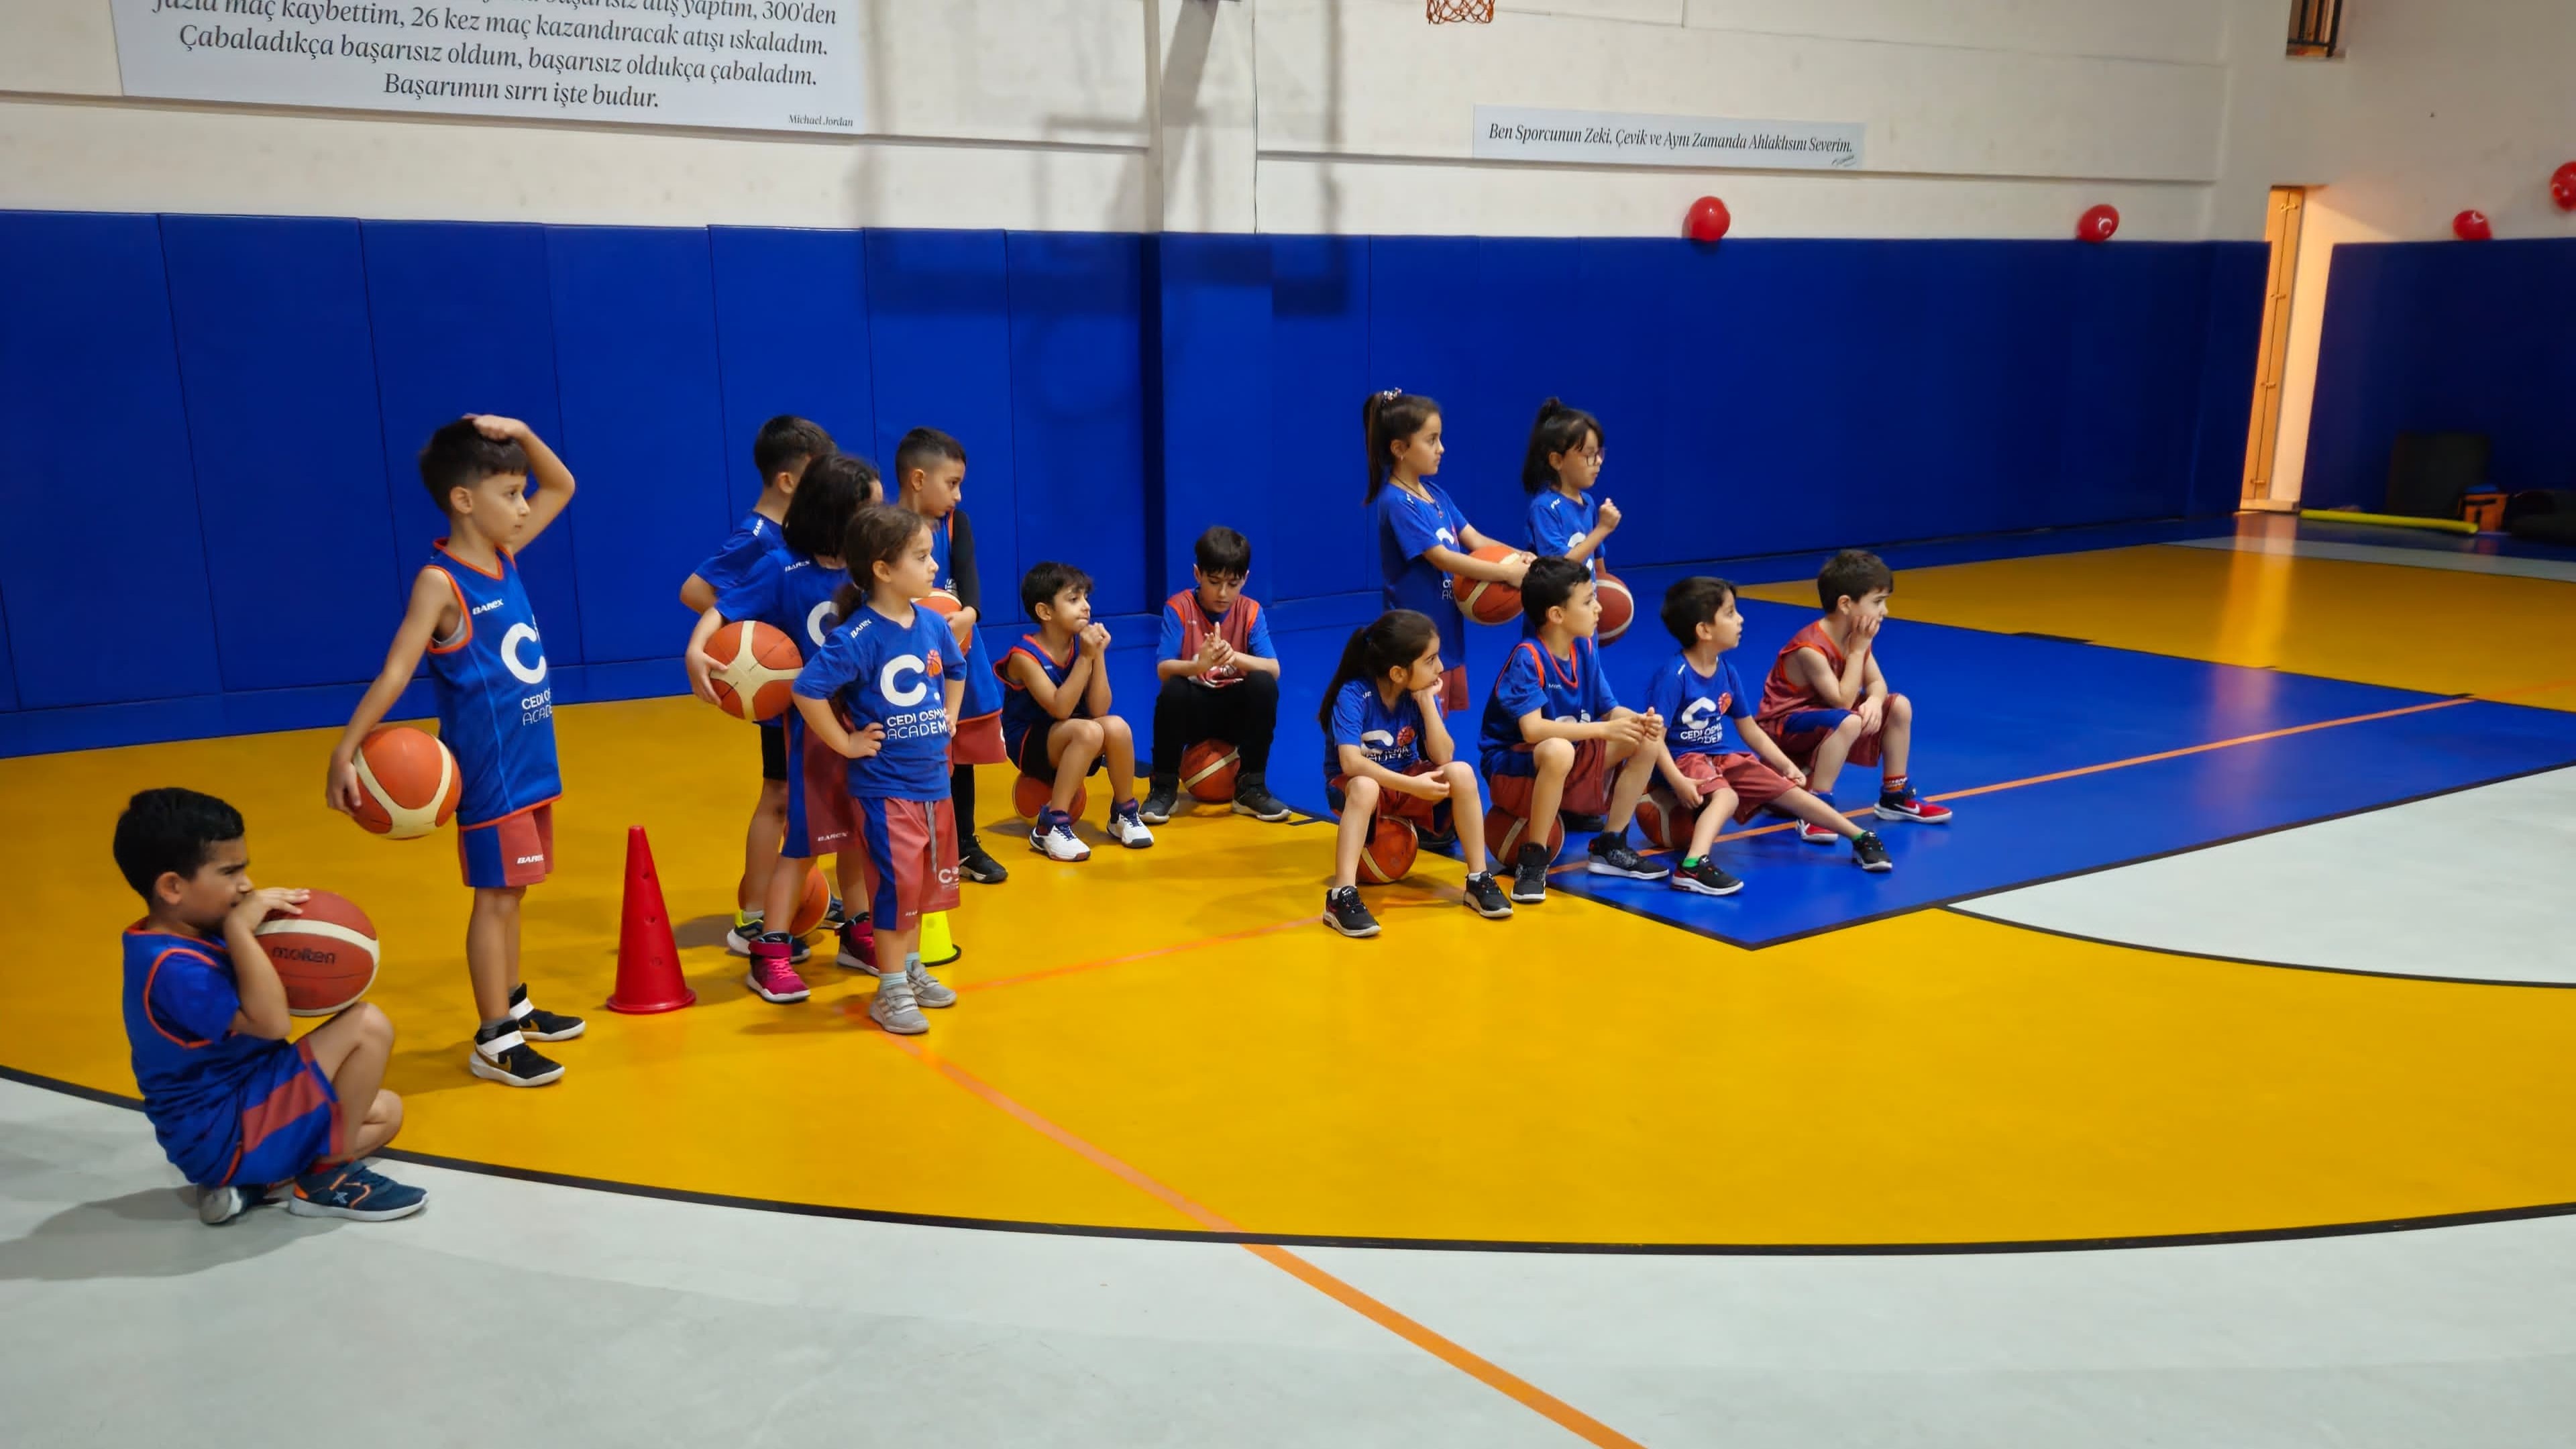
(238, 1107)
(1697, 692)
(1554, 732)
(470, 616)
(1055, 713)
(785, 447)
(930, 478)
(1220, 676)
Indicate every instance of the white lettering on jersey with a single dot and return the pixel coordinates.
(896, 668)
(1695, 716)
(1378, 739)
(487, 606)
(524, 634)
(819, 623)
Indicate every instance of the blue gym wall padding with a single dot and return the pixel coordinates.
(1117, 394)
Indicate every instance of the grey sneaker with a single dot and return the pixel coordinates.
(1252, 797)
(894, 1009)
(928, 990)
(1161, 799)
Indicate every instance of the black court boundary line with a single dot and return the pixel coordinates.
(2258, 961)
(1438, 1245)
(1947, 901)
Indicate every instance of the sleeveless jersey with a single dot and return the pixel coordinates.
(194, 1069)
(1020, 709)
(983, 690)
(496, 713)
(1781, 693)
(1533, 679)
(1240, 627)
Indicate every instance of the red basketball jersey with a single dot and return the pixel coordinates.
(1781, 692)
(1235, 629)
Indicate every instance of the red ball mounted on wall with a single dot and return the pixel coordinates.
(2098, 224)
(2562, 186)
(2472, 225)
(1708, 220)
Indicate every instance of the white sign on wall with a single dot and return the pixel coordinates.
(773, 65)
(1615, 138)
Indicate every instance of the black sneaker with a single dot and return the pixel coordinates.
(1529, 875)
(1435, 840)
(1252, 797)
(1486, 898)
(1611, 855)
(1701, 877)
(1576, 822)
(501, 1054)
(1344, 913)
(540, 1025)
(1870, 853)
(978, 865)
(1162, 796)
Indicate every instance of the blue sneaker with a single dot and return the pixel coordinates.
(354, 1191)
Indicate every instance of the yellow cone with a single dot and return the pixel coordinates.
(938, 948)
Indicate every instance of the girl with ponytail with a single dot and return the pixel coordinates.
(1558, 471)
(1422, 537)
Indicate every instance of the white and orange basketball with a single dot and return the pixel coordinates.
(408, 784)
(1029, 795)
(1618, 608)
(944, 604)
(1665, 821)
(1209, 770)
(755, 668)
(1389, 853)
(812, 906)
(1483, 600)
(325, 958)
(1505, 831)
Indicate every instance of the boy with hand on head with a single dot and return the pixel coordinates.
(1055, 715)
(1827, 702)
(236, 1106)
(1220, 678)
(496, 714)
(1554, 732)
(930, 477)
(1697, 693)
(785, 447)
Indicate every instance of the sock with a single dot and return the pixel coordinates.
(743, 916)
(1692, 862)
(491, 1029)
(910, 960)
(1891, 786)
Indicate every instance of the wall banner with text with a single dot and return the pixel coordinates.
(1610, 138)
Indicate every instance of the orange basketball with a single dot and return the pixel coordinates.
(1208, 771)
(325, 958)
(1483, 600)
(1618, 608)
(407, 782)
(944, 603)
(755, 665)
(1029, 795)
(1664, 820)
(1504, 832)
(1389, 852)
(816, 901)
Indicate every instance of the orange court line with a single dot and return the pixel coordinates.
(1484, 1371)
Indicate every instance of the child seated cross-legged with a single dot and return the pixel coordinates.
(1554, 732)
(1827, 701)
(1388, 752)
(1696, 693)
(1220, 676)
(1056, 722)
(236, 1105)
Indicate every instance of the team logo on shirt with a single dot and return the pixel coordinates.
(818, 623)
(1699, 717)
(900, 666)
(523, 634)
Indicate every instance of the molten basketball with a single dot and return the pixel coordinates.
(944, 603)
(1208, 771)
(811, 906)
(325, 958)
(1483, 600)
(1029, 795)
(1389, 852)
(1505, 831)
(1664, 820)
(1618, 608)
(755, 665)
(407, 782)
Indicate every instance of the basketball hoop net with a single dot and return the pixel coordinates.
(1474, 12)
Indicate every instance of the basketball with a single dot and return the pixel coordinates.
(325, 958)
(1664, 820)
(1208, 771)
(407, 782)
(1504, 832)
(1618, 608)
(1389, 852)
(811, 907)
(1483, 600)
(1029, 795)
(755, 664)
(944, 604)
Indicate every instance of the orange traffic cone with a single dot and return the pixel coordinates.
(648, 960)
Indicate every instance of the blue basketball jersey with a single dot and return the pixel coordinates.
(983, 690)
(1556, 521)
(754, 539)
(791, 593)
(194, 1069)
(895, 676)
(1696, 706)
(496, 712)
(1407, 528)
(1021, 711)
(1390, 735)
(1533, 679)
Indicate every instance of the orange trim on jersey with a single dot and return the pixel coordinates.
(1002, 666)
(495, 575)
(464, 611)
(1547, 662)
(152, 973)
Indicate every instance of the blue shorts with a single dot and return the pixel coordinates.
(1029, 752)
(290, 1121)
(515, 850)
(1810, 721)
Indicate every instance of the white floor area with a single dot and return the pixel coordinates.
(576, 1318)
(2474, 885)
(2413, 558)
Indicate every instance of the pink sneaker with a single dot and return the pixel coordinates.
(771, 977)
(858, 946)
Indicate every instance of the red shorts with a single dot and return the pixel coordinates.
(1395, 804)
(1512, 775)
(821, 820)
(1755, 784)
(1799, 732)
(515, 850)
(1453, 689)
(909, 860)
(978, 741)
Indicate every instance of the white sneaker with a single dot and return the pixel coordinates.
(1127, 827)
(928, 990)
(894, 1009)
(1053, 838)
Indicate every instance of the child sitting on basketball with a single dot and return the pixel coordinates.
(1055, 716)
(792, 590)
(1827, 702)
(1220, 678)
(496, 714)
(1554, 733)
(237, 1106)
(1388, 752)
(1696, 693)
(1558, 471)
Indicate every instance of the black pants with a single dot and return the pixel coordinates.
(1243, 715)
(961, 796)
